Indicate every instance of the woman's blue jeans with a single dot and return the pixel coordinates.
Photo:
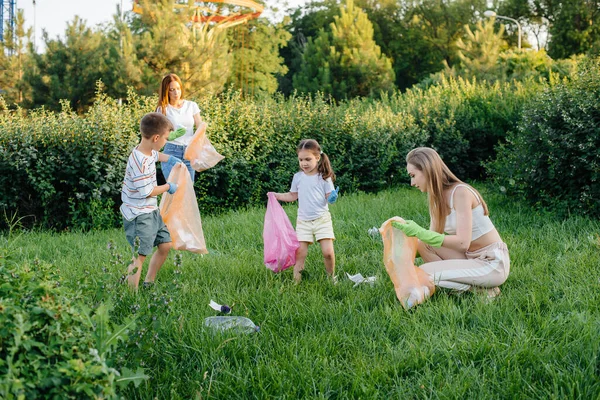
(175, 150)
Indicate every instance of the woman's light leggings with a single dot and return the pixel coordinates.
(487, 267)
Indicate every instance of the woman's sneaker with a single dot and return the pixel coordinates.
(488, 294)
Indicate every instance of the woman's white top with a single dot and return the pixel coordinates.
(312, 195)
(482, 224)
(183, 117)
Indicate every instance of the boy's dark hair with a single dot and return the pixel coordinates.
(324, 165)
(155, 124)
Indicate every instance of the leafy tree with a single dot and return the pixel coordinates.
(421, 36)
(483, 55)
(345, 61)
(572, 25)
(479, 52)
(305, 22)
(14, 58)
(124, 68)
(256, 59)
(68, 70)
(574, 28)
(165, 41)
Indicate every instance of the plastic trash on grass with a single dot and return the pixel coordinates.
(181, 214)
(358, 279)
(231, 323)
(412, 284)
(280, 240)
(374, 232)
(225, 309)
(200, 152)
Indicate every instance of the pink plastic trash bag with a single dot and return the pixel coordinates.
(279, 236)
(200, 152)
(412, 284)
(181, 214)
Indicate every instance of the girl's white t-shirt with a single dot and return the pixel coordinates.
(183, 117)
(312, 195)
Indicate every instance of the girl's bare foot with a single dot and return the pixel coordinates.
(297, 276)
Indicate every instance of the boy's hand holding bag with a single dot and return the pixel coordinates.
(180, 212)
(200, 152)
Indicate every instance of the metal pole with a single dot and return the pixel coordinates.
(34, 32)
(121, 27)
(518, 28)
(492, 14)
(2, 21)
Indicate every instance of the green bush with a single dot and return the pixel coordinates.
(366, 142)
(66, 170)
(464, 120)
(553, 157)
(51, 346)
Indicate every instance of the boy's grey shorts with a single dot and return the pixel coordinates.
(151, 230)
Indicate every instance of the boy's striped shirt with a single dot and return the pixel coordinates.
(140, 180)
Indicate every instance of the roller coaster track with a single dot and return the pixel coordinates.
(203, 14)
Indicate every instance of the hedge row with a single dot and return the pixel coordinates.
(66, 170)
(553, 158)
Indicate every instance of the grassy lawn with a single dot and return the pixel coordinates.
(539, 339)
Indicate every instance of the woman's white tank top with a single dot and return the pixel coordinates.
(482, 224)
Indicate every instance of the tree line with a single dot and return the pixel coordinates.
(341, 48)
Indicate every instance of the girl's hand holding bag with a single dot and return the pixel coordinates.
(279, 236)
(200, 152)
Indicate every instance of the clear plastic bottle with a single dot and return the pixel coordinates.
(230, 322)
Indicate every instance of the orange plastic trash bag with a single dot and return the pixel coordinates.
(413, 285)
(181, 214)
(200, 152)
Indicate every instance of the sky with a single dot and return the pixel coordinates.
(53, 15)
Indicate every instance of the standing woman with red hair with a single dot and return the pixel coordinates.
(185, 117)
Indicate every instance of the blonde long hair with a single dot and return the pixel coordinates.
(438, 178)
(163, 92)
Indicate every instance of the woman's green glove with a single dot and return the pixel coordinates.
(411, 228)
(179, 132)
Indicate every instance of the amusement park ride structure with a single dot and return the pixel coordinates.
(221, 18)
(212, 13)
(242, 12)
(8, 10)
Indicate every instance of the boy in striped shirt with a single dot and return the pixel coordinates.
(141, 217)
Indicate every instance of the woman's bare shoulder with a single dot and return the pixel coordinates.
(464, 194)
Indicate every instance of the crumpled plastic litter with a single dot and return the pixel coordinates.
(374, 232)
(413, 285)
(358, 279)
(225, 309)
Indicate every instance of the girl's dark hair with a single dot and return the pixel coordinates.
(324, 165)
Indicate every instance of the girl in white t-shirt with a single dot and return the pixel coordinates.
(183, 114)
(313, 187)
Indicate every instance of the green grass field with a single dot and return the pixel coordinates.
(539, 339)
